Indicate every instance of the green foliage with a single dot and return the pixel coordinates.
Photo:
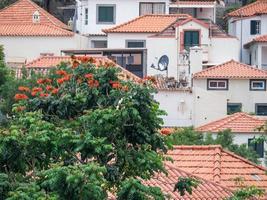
(188, 136)
(186, 184)
(246, 193)
(133, 189)
(75, 139)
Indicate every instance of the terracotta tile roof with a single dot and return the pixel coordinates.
(205, 190)
(218, 165)
(257, 8)
(44, 63)
(238, 123)
(262, 38)
(147, 24)
(17, 20)
(231, 70)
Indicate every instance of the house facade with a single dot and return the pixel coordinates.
(93, 15)
(249, 23)
(27, 30)
(228, 88)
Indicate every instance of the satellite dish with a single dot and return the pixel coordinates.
(163, 63)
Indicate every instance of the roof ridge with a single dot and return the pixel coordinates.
(197, 146)
(217, 164)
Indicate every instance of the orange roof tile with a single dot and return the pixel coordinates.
(218, 165)
(44, 63)
(147, 24)
(194, 2)
(205, 190)
(238, 123)
(231, 70)
(17, 20)
(262, 38)
(257, 8)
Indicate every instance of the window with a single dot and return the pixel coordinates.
(86, 16)
(257, 85)
(151, 8)
(36, 17)
(135, 43)
(255, 27)
(191, 38)
(261, 109)
(99, 44)
(257, 146)
(233, 108)
(217, 84)
(105, 14)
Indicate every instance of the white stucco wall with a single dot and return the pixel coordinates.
(157, 47)
(178, 105)
(125, 10)
(241, 29)
(29, 48)
(210, 105)
(223, 49)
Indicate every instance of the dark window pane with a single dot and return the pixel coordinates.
(221, 84)
(257, 146)
(99, 44)
(261, 109)
(213, 84)
(254, 27)
(106, 14)
(233, 108)
(139, 44)
(191, 38)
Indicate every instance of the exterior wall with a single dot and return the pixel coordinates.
(178, 105)
(241, 29)
(158, 47)
(206, 13)
(210, 105)
(229, 51)
(125, 10)
(118, 40)
(29, 48)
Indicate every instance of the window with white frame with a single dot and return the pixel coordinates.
(217, 84)
(86, 16)
(105, 13)
(135, 43)
(255, 26)
(258, 85)
(36, 17)
(261, 109)
(151, 8)
(99, 43)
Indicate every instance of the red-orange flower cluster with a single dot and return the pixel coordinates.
(55, 91)
(89, 76)
(21, 97)
(24, 89)
(44, 95)
(49, 88)
(61, 72)
(75, 64)
(43, 81)
(165, 131)
(115, 84)
(93, 83)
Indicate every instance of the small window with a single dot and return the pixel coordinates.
(261, 109)
(152, 8)
(257, 146)
(36, 17)
(86, 16)
(255, 27)
(216, 84)
(135, 44)
(233, 108)
(99, 44)
(191, 39)
(106, 14)
(258, 85)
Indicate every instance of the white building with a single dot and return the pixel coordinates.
(27, 30)
(247, 24)
(167, 40)
(228, 88)
(95, 15)
(244, 127)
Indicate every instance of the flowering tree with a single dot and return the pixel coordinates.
(82, 133)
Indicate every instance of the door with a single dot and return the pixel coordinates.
(191, 38)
